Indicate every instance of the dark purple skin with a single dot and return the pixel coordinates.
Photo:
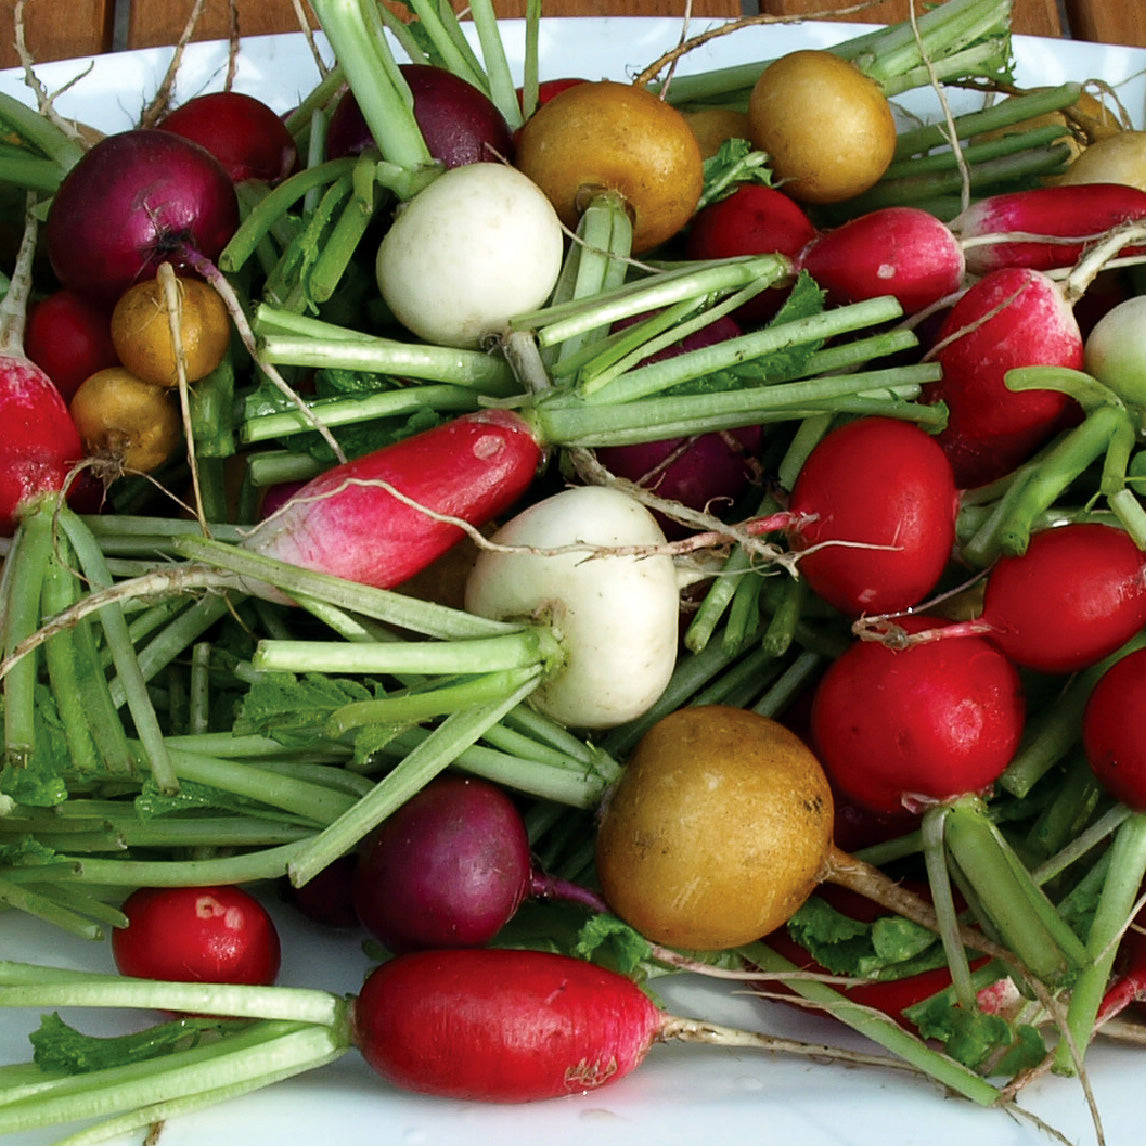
(710, 470)
(459, 123)
(135, 200)
(448, 869)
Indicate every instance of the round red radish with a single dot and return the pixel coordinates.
(873, 513)
(349, 523)
(69, 338)
(1010, 318)
(1111, 735)
(449, 868)
(752, 220)
(501, 1025)
(246, 136)
(905, 252)
(134, 200)
(197, 935)
(898, 728)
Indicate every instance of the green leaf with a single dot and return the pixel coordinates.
(293, 710)
(40, 783)
(736, 162)
(975, 1038)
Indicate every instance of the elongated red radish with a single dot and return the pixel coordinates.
(1081, 212)
(899, 728)
(135, 200)
(617, 613)
(377, 519)
(901, 251)
(1010, 318)
(872, 513)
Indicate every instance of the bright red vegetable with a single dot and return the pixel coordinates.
(501, 1025)
(1111, 736)
(349, 523)
(197, 934)
(69, 338)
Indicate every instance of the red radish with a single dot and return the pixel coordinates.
(901, 251)
(197, 934)
(1084, 212)
(245, 135)
(1010, 318)
(449, 868)
(873, 512)
(349, 522)
(137, 199)
(1110, 735)
(502, 1025)
(459, 123)
(69, 338)
(328, 898)
(1129, 983)
(547, 89)
(752, 220)
(895, 729)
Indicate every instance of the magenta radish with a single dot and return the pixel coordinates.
(872, 514)
(1062, 212)
(1010, 318)
(245, 135)
(378, 519)
(905, 252)
(69, 338)
(135, 200)
(197, 934)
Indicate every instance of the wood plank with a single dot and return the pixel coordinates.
(54, 31)
(1030, 17)
(1108, 21)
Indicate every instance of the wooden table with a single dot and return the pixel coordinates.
(58, 29)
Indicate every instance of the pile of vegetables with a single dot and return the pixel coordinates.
(558, 549)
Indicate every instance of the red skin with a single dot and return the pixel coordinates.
(885, 483)
(493, 1025)
(474, 467)
(1112, 738)
(1084, 210)
(900, 251)
(753, 220)
(197, 935)
(990, 428)
(899, 729)
(1074, 596)
(69, 338)
(247, 137)
(40, 443)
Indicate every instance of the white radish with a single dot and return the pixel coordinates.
(1115, 351)
(479, 245)
(616, 614)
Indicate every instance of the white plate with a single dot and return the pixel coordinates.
(680, 1095)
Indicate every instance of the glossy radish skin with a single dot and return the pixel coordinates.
(880, 483)
(449, 868)
(1064, 211)
(39, 445)
(1074, 596)
(346, 522)
(1010, 318)
(137, 199)
(502, 1026)
(197, 935)
(246, 136)
(898, 728)
(1111, 736)
(900, 251)
(69, 338)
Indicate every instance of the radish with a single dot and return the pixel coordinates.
(478, 246)
(1081, 212)
(135, 200)
(616, 612)
(197, 934)
(381, 518)
(1013, 317)
(1115, 352)
(905, 252)
(69, 338)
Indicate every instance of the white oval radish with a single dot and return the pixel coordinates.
(1115, 350)
(480, 244)
(615, 614)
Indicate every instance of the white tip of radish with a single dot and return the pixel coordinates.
(616, 614)
(479, 245)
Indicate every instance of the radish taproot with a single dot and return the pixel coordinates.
(479, 245)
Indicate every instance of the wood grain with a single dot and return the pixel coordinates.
(55, 30)
(1108, 21)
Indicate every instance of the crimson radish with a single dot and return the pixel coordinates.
(69, 338)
